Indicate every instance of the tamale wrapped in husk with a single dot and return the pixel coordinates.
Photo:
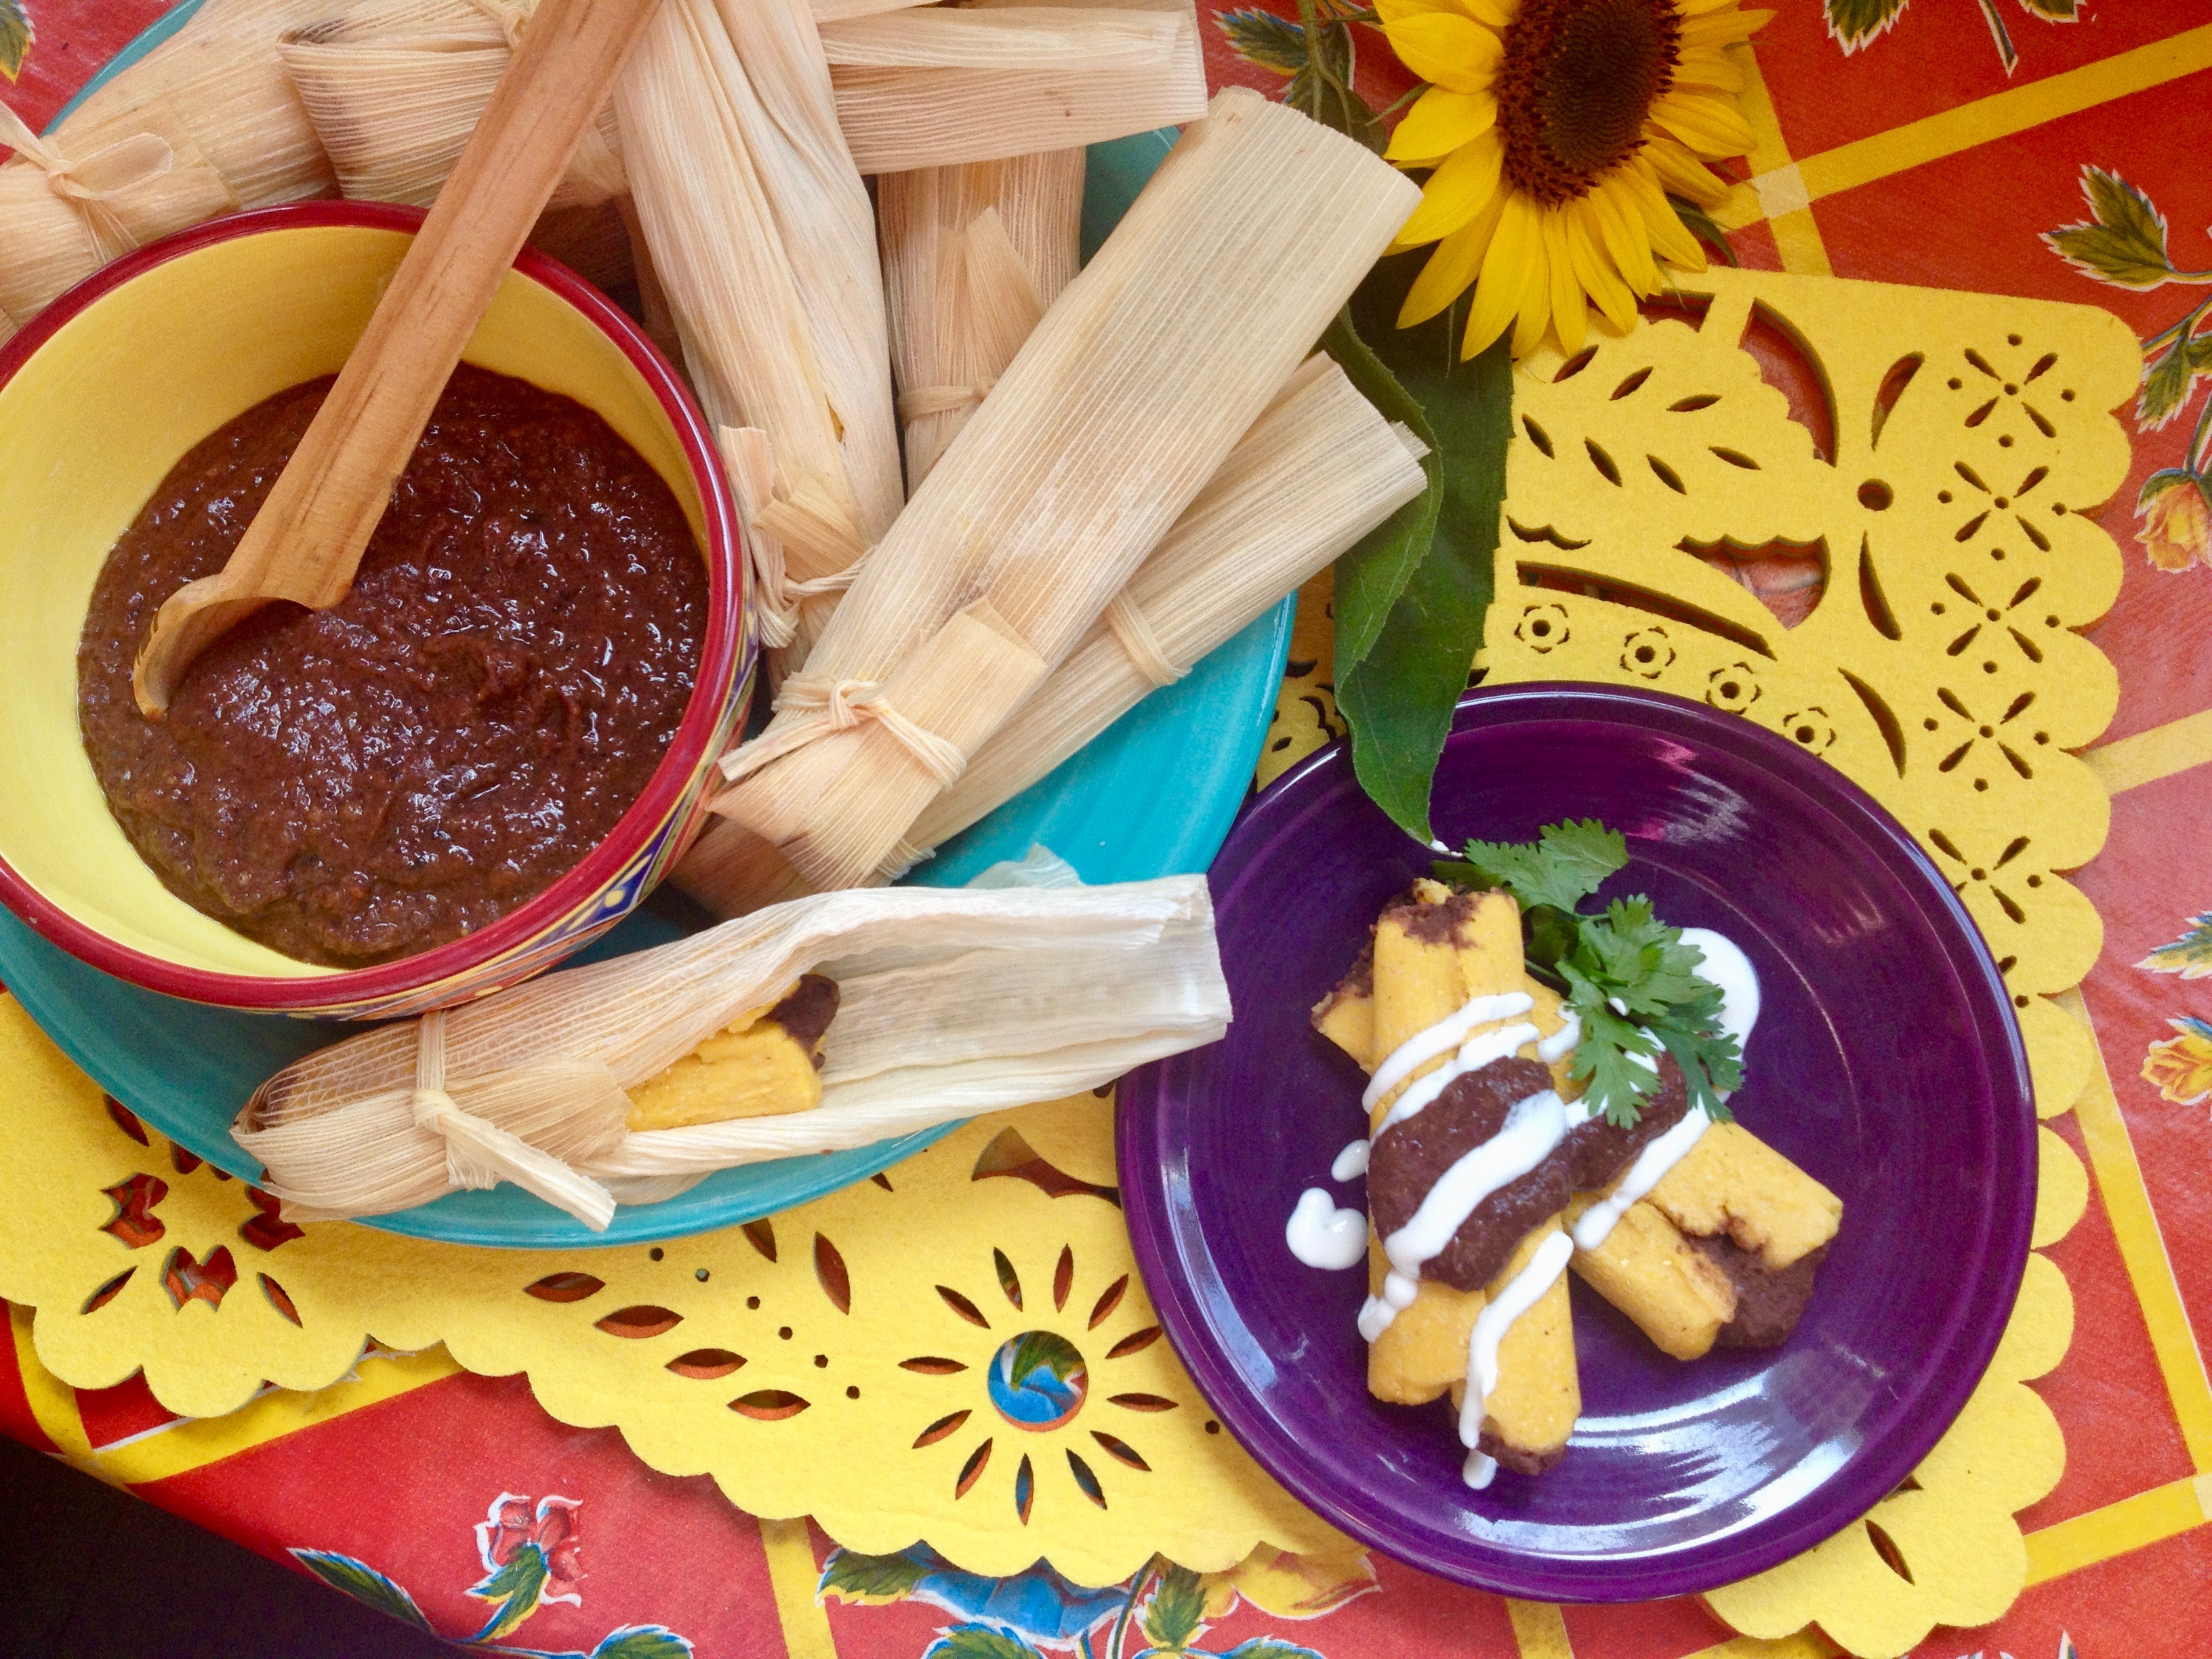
(394, 111)
(701, 198)
(965, 290)
(828, 228)
(69, 205)
(834, 11)
(935, 86)
(950, 1002)
(205, 123)
(1127, 398)
(1316, 473)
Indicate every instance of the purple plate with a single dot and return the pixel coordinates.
(1887, 1063)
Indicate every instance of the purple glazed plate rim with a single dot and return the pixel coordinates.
(1947, 1373)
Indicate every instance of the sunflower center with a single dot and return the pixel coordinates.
(1578, 78)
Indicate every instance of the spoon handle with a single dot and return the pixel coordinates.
(306, 543)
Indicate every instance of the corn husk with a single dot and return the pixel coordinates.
(935, 86)
(393, 113)
(835, 11)
(950, 1003)
(69, 205)
(1319, 471)
(972, 256)
(686, 105)
(828, 228)
(1124, 402)
(204, 123)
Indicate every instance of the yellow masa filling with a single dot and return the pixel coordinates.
(751, 1068)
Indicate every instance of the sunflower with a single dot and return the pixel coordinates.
(1556, 129)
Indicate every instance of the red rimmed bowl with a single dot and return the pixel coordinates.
(99, 398)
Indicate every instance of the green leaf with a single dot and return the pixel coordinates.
(979, 1642)
(1270, 1647)
(870, 1580)
(642, 1642)
(2189, 956)
(1409, 620)
(1373, 575)
(1562, 867)
(1322, 85)
(15, 37)
(2165, 385)
(1259, 37)
(1171, 1618)
(1855, 22)
(1703, 226)
(2125, 242)
(364, 1583)
(2171, 478)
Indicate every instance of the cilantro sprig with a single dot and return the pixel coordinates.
(1627, 975)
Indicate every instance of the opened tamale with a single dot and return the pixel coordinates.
(949, 1003)
(1126, 399)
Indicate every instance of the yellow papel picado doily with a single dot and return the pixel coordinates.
(857, 1358)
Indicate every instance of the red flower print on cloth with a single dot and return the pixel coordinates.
(511, 1523)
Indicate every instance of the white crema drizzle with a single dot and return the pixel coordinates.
(1323, 1236)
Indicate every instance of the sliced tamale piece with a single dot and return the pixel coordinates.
(1733, 1184)
(1529, 1416)
(1647, 1270)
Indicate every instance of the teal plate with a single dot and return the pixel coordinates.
(1153, 795)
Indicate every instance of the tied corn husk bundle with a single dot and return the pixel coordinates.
(764, 243)
(204, 123)
(935, 86)
(972, 256)
(1319, 471)
(950, 1003)
(1127, 398)
(69, 205)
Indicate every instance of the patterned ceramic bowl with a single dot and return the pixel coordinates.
(98, 398)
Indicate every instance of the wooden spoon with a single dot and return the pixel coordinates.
(306, 541)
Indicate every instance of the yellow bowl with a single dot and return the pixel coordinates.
(102, 394)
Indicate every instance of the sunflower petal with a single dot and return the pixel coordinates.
(1669, 240)
(1713, 126)
(1517, 244)
(1440, 121)
(1456, 192)
(1455, 265)
(1680, 171)
(1533, 317)
(1699, 8)
(1570, 310)
(1446, 48)
(1493, 13)
(1721, 28)
(1709, 67)
(1604, 284)
(1622, 226)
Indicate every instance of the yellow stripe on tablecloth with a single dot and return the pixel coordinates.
(2149, 755)
(1807, 1643)
(792, 1575)
(53, 1402)
(2142, 1249)
(1796, 238)
(193, 1443)
(2148, 1518)
(1998, 116)
(1539, 1630)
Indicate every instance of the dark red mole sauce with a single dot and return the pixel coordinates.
(358, 784)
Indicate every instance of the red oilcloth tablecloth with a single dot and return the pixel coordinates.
(1921, 157)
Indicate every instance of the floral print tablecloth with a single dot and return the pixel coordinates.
(2053, 148)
